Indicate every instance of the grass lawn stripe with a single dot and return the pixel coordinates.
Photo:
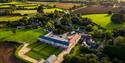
(34, 45)
(47, 51)
(39, 47)
(57, 51)
(34, 55)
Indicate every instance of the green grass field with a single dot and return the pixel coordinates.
(14, 3)
(19, 4)
(40, 50)
(21, 35)
(22, 12)
(76, 51)
(4, 6)
(104, 20)
(10, 18)
(34, 11)
(51, 10)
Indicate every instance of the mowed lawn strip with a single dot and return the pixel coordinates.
(104, 20)
(57, 51)
(48, 50)
(34, 55)
(40, 47)
(33, 45)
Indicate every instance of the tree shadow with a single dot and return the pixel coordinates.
(107, 15)
(112, 26)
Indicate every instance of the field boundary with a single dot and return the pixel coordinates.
(18, 57)
(20, 53)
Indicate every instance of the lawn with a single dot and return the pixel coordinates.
(40, 50)
(104, 20)
(10, 18)
(21, 35)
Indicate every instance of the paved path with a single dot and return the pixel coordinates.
(23, 51)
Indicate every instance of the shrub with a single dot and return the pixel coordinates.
(25, 15)
(17, 14)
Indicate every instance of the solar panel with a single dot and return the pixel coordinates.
(54, 40)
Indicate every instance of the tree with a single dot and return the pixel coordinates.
(82, 59)
(108, 34)
(50, 25)
(8, 11)
(86, 21)
(93, 60)
(98, 33)
(74, 59)
(114, 51)
(117, 18)
(14, 30)
(40, 8)
(109, 12)
(119, 40)
(13, 7)
(75, 20)
(89, 27)
(105, 60)
(119, 32)
(95, 28)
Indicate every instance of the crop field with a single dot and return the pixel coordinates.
(59, 5)
(4, 6)
(51, 10)
(32, 5)
(19, 4)
(66, 5)
(40, 50)
(13, 3)
(34, 11)
(9, 18)
(22, 12)
(7, 53)
(21, 35)
(104, 20)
